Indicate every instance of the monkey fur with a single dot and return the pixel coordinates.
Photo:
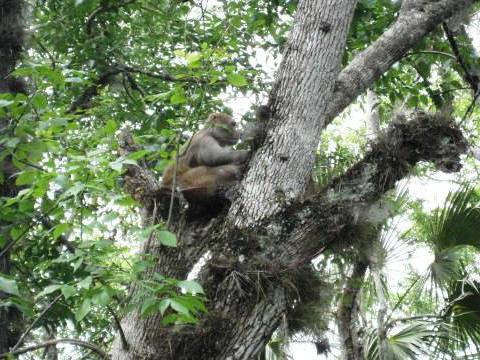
(208, 165)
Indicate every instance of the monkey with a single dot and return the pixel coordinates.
(208, 165)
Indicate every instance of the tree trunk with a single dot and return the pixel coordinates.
(282, 168)
(11, 44)
(348, 313)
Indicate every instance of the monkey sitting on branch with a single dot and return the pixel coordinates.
(208, 166)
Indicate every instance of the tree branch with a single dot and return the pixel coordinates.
(81, 343)
(413, 23)
(47, 224)
(333, 214)
(119, 327)
(347, 312)
(83, 101)
(162, 76)
(456, 50)
(105, 79)
(102, 9)
(27, 331)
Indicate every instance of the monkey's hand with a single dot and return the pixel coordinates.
(241, 156)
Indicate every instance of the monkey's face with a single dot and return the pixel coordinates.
(224, 129)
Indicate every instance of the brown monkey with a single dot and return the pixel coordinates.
(208, 164)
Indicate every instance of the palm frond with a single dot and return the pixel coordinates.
(462, 315)
(446, 267)
(457, 223)
(405, 343)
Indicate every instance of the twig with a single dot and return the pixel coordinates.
(125, 345)
(27, 331)
(470, 108)
(162, 76)
(92, 90)
(453, 44)
(63, 239)
(81, 343)
(101, 9)
(13, 242)
(134, 85)
(411, 318)
(45, 50)
(106, 78)
(430, 52)
(30, 164)
(174, 185)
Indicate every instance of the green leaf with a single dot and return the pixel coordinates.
(26, 177)
(237, 80)
(85, 283)
(59, 230)
(110, 127)
(83, 310)
(167, 238)
(148, 306)
(179, 307)
(9, 286)
(116, 165)
(102, 299)
(163, 305)
(17, 232)
(77, 264)
(67, 291)
(39, 101)
(193, 60)
(48, 290)
(178, 97)
(5, 103)
(191, 287)
(75, 190)
(11, 143)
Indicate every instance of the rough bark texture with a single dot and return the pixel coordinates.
(281, 169)
(11, 44)
(416, 19)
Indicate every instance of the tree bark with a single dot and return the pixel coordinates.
(282, 168)
(11, 45)
(348, 311)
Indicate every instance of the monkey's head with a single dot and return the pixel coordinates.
(223, 128)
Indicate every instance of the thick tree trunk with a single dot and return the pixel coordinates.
(11, 43)
(282, 168)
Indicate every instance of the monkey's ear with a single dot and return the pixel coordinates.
(212, 117)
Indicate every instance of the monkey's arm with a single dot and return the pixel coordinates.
(210, 153)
